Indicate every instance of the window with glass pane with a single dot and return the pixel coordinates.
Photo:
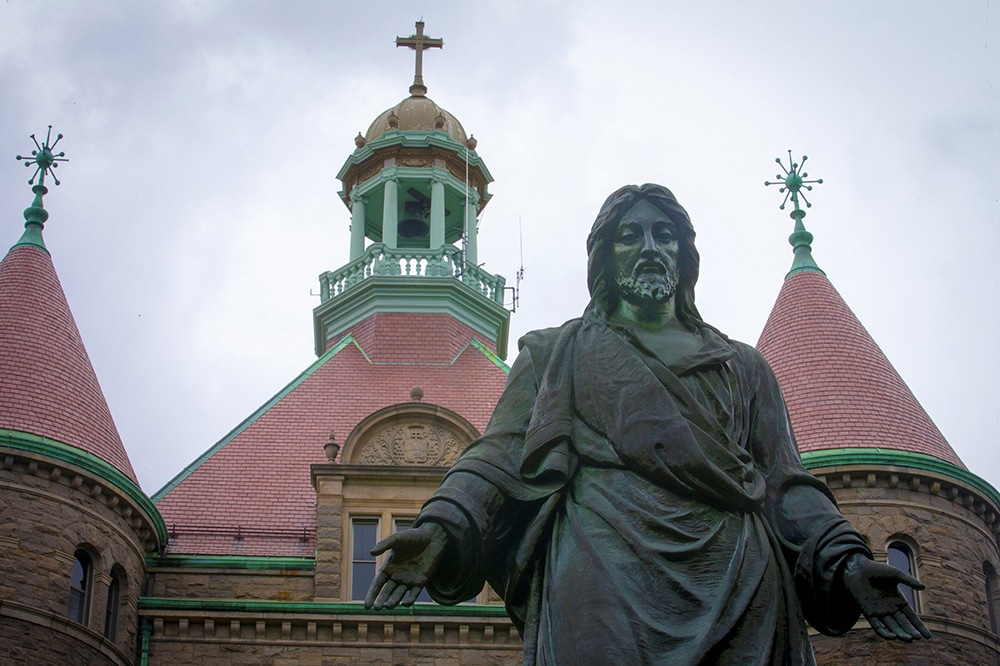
(111, 611)
(901, 557)
(79, 587)
(364, 536)
(405, 524)
(992, 595)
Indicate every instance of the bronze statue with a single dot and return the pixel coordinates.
(638, 496)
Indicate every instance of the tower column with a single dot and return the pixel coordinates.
(357, 226)
(437, 214)
(390, 213)
(471, 250)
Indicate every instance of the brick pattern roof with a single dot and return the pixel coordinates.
(841, 390)
(253, 496)
(392, 337)
(47, 384)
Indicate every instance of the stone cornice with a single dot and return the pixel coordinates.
(87, 473)
(847, 468)
(232, 563)
(329, 624)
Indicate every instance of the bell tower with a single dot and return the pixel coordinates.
(415, 186)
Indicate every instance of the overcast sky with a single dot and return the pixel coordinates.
(200, 203)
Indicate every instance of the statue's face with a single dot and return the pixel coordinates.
(645, 254)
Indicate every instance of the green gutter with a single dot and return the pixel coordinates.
(184, 473)
(241, 562)
(50, 448)
(317, 607)
(889, 457)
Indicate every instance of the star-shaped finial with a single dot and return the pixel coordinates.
(793, 182)
(44, 159)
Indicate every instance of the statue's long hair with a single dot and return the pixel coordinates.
(604, 293)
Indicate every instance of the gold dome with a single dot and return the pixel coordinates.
(419, 113)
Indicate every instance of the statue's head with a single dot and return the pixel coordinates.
(603, 273)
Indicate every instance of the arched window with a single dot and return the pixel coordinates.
(79, 587)
(111, 610)
(992, 595)
(901, 557)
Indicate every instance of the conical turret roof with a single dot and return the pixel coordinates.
(841, 390)
(47, 383)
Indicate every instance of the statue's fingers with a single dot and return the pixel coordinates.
(375, 588)
(385, 594)
(897, 631)
(917, 623)
(880, 628)
(904, 623)
(396, 596)
(412, 595)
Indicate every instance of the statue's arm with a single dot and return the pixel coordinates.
(836, 578)
(456, 537)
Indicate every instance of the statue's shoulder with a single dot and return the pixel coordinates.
(542, 342)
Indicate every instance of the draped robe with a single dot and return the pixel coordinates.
(634, 513)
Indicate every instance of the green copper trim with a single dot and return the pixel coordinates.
(792, 183)
(801, 245)
(239, 562)
(320, 608)
(35, 215)
(488, 353)
(247, 422)
(50, 448)
(889, 457)
(44, 161)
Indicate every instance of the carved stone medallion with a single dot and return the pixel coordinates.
(416, 442)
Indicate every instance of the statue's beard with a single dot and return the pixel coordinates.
(646, 289)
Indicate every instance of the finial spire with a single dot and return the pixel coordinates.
(44, 161)
(419, 42)
(793, 182)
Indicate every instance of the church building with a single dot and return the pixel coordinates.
(258, 551)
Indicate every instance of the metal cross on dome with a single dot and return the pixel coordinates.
(419, 43)
(793, 182)
(44, 159)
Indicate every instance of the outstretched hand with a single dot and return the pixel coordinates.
(875, 587)
(415, 556)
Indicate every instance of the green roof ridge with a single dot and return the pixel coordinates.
(892, 457)
(487, 352)
(57, 450)
(247, 422)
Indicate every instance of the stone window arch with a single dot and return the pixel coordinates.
(117, 590)
(902, 554)
(81, 582)
(992, 596)
(409, 434)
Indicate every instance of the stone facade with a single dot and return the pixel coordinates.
(49, 510)
(949, 526)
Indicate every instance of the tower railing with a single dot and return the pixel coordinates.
(381, 261)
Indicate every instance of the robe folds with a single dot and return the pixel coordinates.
(634, 513)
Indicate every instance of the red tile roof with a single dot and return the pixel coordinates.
(47, 384)
(841, 390)
(251, 493)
